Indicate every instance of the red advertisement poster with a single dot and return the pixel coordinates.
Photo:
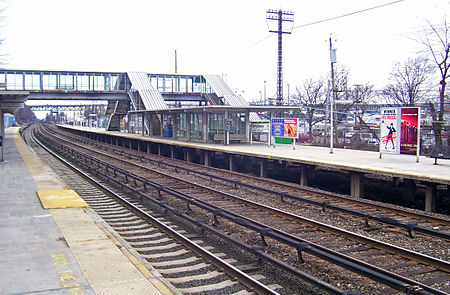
(290, 128)
(409, 127)
(389, 131)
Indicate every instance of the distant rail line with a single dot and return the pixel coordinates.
(341, 237)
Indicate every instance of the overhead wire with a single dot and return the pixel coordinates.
(347, 14)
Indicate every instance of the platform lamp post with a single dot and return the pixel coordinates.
(333, 94)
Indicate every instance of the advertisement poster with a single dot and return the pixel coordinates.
(285, 127)
(278, 127)
(409, 130)
(291, 128)
(389, 129)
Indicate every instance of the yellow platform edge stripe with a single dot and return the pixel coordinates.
(58, 199)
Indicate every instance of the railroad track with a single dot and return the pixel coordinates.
(372, 215)
(286, 230)
(186, 264)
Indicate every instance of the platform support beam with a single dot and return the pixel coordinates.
(304, 174)
(172, 152)
(430, 197)
(159, 149)
(262, 168)
(207, 159)
(188, 155)
(148, 147)
(409, 189)
(357, 184)
(231, 162)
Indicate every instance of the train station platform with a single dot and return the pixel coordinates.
(359, 164)
(58, 251)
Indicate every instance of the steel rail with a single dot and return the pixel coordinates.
(234, 272)
(242, 221)
(324, 205)
(253, 284)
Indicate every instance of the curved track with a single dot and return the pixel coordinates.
(294, 234)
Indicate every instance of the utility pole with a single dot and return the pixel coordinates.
(280, 16)
(265, 97)
(176, 61)
(333, 93)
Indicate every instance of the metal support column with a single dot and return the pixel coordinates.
(161, 126)
(143, 124)
(247, 126)
(150, 125)
(188, 126)
(205, 127)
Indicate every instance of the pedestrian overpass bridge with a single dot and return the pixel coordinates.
(124, 91)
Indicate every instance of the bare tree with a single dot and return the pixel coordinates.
(362, 95)
(438, 45)
(25, 115)
(411, 82)
(312, 96)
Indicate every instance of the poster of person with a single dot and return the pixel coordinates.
(389, 131)
(409, 130)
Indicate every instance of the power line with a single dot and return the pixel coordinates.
(347, 14)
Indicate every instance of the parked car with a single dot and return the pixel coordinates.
(304, 137)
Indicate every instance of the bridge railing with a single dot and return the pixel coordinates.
(62, 81)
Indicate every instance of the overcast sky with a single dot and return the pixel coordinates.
(217, 37)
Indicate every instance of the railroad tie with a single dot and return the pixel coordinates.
(206, 276)
(184, 269)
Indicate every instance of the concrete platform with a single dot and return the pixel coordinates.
(403, 166)
(57, 251)
(358, 164)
